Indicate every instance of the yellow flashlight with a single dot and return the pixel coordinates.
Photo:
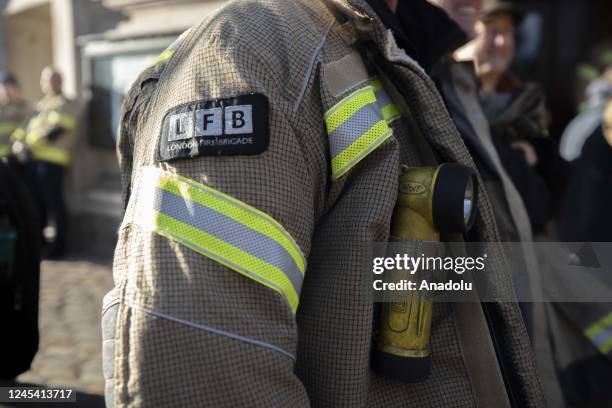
(431, 200)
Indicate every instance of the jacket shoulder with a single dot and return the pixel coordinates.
(267, 23)
(271, 38)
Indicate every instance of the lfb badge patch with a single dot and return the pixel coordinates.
(221, 127)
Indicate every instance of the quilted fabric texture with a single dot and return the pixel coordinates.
(192, 332)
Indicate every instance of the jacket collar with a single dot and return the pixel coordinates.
(369, 26)
(361, 16)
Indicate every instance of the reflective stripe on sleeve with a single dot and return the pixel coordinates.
(60, 119)
(355, 127)
(34, 136)
(19, 134)
(220, 227)
(389, 110)
(600, 333)
(169, 52)
(50, 154)
(163, 56)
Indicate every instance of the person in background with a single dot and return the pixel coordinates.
(585, 214)
(597, 93)
(508, 138)
(459, 87)
(516, 111)
(13, 110)
(585, 362)
(607, 123)
(45, 144)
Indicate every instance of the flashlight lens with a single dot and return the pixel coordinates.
(454, 198)
(468, 201)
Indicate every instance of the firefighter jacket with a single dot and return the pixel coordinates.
(260, 157)
(12, 114)
(50, 133)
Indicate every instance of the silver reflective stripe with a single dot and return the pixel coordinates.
(355, 127)
(352, 128)
(346, 100)
(603, 337)
(227, 262)
(367, 151)
(211, 329)
(229, 231)
(600, 333)
(382, 98)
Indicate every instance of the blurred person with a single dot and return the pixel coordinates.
(45, 143)
(597, 93)
(586, 214)
(607, 123)
(463, 12)
(586, 361)
(460, 88)
(477, 88)
(13, 111)
(492, 42)
(19, 273)
(516, 112)
(205, 305)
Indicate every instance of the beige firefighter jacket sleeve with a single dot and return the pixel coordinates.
(240, 208)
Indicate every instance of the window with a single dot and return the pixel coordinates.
(110, 68)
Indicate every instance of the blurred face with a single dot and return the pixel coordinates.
(50, 82)
(607, 123)
(463, 12)
(494, 45)
(392, 4)
(8, 92)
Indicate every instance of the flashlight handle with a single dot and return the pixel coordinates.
(407, 326)
(402, 352)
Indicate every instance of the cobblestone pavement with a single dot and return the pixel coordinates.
(69, 355)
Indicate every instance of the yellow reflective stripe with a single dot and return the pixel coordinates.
(162, 57)
(390, 112)
(367, 142)
(344, 109)
(169, 52)
(51, 154)
(600, 333)
(376, 84)
(227, 255)
(37, 121)
(357, 125)
(59, 119)
(238, 211)
(19, 134)
(220, 227)
(605, 347)
(34, 136)
(598, 326)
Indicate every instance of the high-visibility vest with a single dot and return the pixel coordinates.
(12, 115)
(53, 113)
